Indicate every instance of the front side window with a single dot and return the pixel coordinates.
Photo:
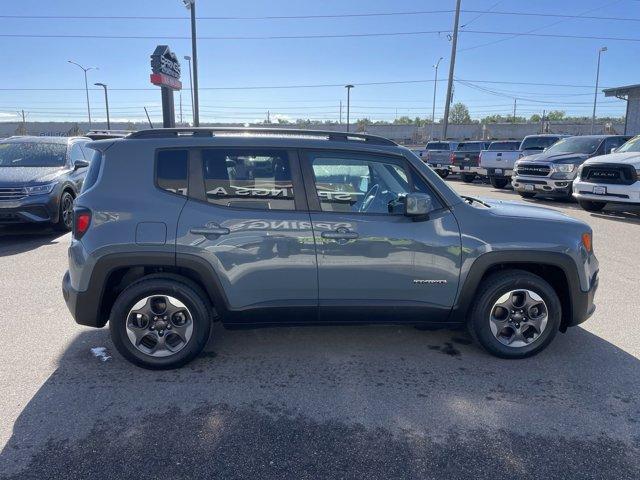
(32, 154)
(614, 142)
(352, 183)
(632, 145)
(248, 178)
(172, 171)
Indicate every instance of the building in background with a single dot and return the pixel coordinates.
(630, 93)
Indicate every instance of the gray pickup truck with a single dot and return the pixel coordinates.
(437, 154)
(257, 227)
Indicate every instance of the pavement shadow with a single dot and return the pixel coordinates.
(19, 239)
(335, 402)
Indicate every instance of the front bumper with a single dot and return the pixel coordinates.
(629, 194)
(542, 185)
(30, 209)
(84, 306)
(582, 303)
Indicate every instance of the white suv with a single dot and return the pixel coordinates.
(613, 178)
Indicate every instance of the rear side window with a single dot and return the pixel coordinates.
(94, 169)
(172, 171)
(248, 178)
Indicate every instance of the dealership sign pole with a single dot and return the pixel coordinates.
(165, 73)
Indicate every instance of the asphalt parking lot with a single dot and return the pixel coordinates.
(334, 402)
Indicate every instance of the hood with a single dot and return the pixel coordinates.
(508, 208)
(545, 157)
(627, 158)
(18, 176)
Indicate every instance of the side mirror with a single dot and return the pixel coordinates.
(80, 164)
(613, 150)
(418, 206)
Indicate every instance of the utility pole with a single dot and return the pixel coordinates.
(23, 128)
(515, 102)
(191, 5)
(106, 102)
(595, 96)
(452, 64)
(86, 85)
(348, 87)
(188, 59)
(268, 117)
(181, 108)
(433, 109)
(340, 112)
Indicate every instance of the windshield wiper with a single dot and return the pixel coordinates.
(472, 200)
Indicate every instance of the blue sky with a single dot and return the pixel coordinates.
(41, 63)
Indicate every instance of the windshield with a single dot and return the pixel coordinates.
(32, 154)
(538, 143)
(504, 146)
(437, 146)
(632, 145)
(471, 146)
(585, 145)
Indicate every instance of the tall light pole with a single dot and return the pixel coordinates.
(86, 86)
(191, 5)
(106, 102)
(595, 96)
(348, 87)
(188, 59)
(435, 83)
(452, 64)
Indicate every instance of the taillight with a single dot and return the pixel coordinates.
(81, 222)
(452, 158)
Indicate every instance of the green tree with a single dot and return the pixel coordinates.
(535, 118)
(555, 115)
(459, 114)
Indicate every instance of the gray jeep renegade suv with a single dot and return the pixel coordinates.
(177, 228)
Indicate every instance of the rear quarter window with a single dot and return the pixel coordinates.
(94, 169)
(172, 171)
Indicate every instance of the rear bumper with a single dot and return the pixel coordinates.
(465, 169)
(439, 166)
(496, 172)
(84, 306)
(36, 209)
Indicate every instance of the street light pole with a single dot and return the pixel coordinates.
(188, 59)
(348, 87)
(435, 83)
(106, 102)
(452, 64)
(86, 85)
(191, 5)
(595, 96)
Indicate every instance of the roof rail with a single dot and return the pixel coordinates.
(213, 131)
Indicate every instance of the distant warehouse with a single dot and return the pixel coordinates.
(630, 93)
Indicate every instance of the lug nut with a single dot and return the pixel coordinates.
(168, 327)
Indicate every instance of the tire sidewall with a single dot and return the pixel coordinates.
(480, 316)
(135, 292)
(60, 225)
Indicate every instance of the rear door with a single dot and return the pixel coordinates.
(247, 220)
(373, 261)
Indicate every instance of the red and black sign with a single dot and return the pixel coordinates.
(165, 68)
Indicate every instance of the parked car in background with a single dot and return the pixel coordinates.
(316, 228)
(613, 178)
(551, 173)
(496, 162)
(437, 154)
(465, 160)
(39, 179)
(532, 144)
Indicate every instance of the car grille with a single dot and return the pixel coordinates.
(533, 170)
(12, 193)
(609, 173)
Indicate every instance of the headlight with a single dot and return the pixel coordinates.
(564, 167)
(40, 189)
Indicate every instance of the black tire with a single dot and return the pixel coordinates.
(193, 298)
(490, 291)
(498, 182)
(443, 173)
(468, 177)
(65, 216)
(591, 206)
(527, 194)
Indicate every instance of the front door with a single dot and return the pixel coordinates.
(248, 218)
(370, 255)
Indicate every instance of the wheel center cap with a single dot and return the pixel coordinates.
(516, 317)
(161, 324)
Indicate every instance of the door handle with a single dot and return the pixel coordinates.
(210, 231)
(338, 235)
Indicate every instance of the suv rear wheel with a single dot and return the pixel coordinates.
(498, 182)
(516, 314)
(591, 206)
(160, 323)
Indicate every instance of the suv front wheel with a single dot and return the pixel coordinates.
(516, 314)
(160, 323)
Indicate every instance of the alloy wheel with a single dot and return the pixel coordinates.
(518, 318)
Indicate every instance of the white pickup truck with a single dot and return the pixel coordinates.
(437, 154)
(497, 161)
